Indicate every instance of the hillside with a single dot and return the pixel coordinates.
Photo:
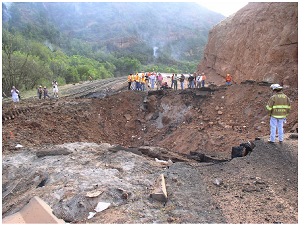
(259, 42)
(174, 28)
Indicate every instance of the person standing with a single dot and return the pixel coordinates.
(15, 96)
(55, 88)
(159, 80)
(40, 92)
(203, 79)
(46, 92)
(228, 79)
(181, 79)
(278, 107)
(133, 82)
(191, 81)
(143, 81)
(199, 81)
(147, 79)
(129, 81)
(90, 78)
(172, 81)
(152, 80)
(137, 81)
(175, 79)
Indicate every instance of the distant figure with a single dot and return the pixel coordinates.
(181, 79)
(133, 81)
(129, 81)
(55, 88)
(191, 81)
(40, 92)
(203, 79)
(172, 81)
(164, 85)
(199, 81)
(175, 79)
(152, 78)
(46, 92)
(159, 80)
(143, 81)
(228, 79)
(90, 79)
(278, 108)
(137, 81)
(15, 96)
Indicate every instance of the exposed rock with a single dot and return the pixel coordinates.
(259, 42)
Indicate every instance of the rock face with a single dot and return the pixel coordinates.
(259, 42)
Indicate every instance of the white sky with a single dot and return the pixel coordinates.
(226, 8)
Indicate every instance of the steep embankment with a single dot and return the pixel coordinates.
(259, 42)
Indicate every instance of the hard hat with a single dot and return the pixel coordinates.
(40, 86)
(276, 87)
(228, 74)
(44, 87)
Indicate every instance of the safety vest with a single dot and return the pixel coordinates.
(203, 77)
(137, 78)
(132, 78)
(129, 78)
(228, 79)
(143, 80)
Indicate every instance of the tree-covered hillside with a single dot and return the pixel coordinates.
(72, 41)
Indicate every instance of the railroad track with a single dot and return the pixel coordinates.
(72, 91)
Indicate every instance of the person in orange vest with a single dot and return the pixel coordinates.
(137, 81)
(129, 81)
(228, 79)
(203, 79)
(143, 81)
(133, 82)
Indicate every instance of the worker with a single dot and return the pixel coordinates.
(133, 82)
(181, 79)
(143, 81)
(137, 81)
(228, 79)
(203, 79)
(278, 108)
(46, 92)
(129, 81)
(40, 92)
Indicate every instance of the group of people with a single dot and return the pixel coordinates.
(137, 82)
(40, 91)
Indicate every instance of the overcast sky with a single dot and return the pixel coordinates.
(226, 8)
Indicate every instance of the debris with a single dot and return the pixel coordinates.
(102, 206)
(218, 181)
(18, 146)
(93, 194)
(160, 191)
(91, 214)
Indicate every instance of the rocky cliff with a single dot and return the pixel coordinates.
(259, 42)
